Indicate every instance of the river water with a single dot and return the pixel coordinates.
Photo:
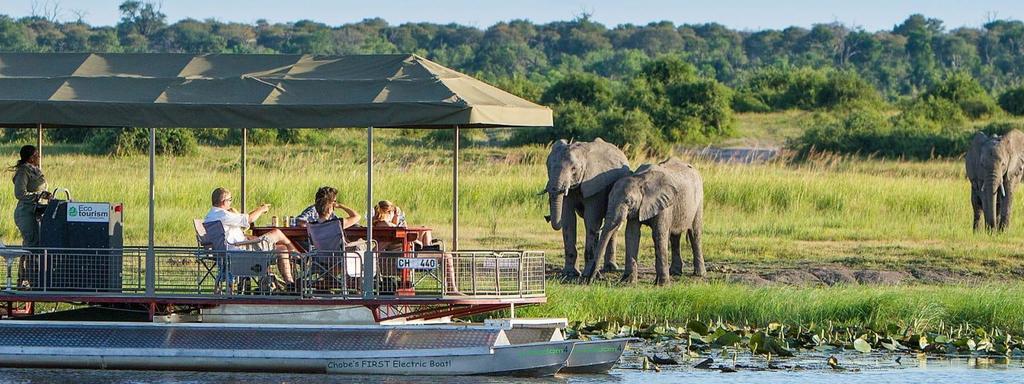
(873, 369)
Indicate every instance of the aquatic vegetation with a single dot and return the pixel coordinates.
(777, 320)
(696, 338)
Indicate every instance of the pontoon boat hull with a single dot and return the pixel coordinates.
(411, 350)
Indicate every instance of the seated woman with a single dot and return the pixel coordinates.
(387, 214)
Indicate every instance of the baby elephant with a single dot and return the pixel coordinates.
(669, 198)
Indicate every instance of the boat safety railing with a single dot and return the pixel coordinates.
(189, 271)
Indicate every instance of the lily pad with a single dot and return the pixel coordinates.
(862, 346)
(727, 339)
(697, 327)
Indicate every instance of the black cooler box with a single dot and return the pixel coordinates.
(81, 227)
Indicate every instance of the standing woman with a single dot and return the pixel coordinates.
(29, 187)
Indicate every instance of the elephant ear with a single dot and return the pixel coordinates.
(605, 165)
(661, 187)
(1015, 168)
(973, 157)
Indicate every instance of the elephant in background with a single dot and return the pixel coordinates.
(669, 198)
(580, 175)
(994, 167)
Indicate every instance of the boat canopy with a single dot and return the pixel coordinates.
(157, 90)
(165, 90)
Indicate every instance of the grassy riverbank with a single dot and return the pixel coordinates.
(922, 308)
(856, 214)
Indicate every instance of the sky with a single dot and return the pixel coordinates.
(871, 15)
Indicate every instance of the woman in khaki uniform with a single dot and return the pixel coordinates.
(29, 187)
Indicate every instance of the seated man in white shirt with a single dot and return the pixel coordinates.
(235, 223)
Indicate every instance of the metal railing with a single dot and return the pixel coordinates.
(197, 272)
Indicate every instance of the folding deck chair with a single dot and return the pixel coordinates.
(206, 260)
(335, 262)
(246, 265)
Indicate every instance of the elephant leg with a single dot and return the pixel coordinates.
(632, 250)
(698, 256)
(674, 243)
(569, 272)
(593, 213)
(660, 236)
(976, 205)
(694, 235)
(1005, 209)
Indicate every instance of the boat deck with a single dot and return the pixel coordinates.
(410, 285)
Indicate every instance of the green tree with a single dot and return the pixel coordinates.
(14, 36)
(141, 18)
(919, 32)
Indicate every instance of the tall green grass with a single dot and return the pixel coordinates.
(862, 213)
(922, 308)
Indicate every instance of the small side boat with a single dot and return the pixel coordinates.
(389, 350)
(595, 356)
(588, 357)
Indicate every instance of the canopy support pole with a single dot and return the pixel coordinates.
(455, 192)
(368, 272)
(39, 143)
(150, 254)
(245, 144)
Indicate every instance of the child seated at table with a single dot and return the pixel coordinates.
(387, 214)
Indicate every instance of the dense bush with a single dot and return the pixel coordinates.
(442, 138)
(684, 106)
(965, 91)
(19, 135)
(936, 124)
(1002, 127)
(746, 102)
(632, 130)
(1012, 101)
(129, 141)
(925, 129)
(780, 88)
(215, 136)
(665, 102)
(580, 87)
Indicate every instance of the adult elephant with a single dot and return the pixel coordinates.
(994, 166)
(667, 197)
(580, 175)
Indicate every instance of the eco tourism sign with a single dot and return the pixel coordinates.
(89, 212)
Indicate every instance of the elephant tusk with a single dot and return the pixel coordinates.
(566, 193)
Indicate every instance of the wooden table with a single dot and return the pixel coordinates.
(406, 235)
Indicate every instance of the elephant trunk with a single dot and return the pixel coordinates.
(612, 223)
(555, 200)
(988, 203)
